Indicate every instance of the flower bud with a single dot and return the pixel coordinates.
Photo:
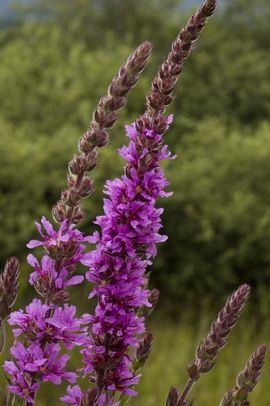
(173, 397)
(86, 187)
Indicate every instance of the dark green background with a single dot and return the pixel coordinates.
(57, 58)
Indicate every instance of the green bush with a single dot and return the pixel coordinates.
(59, 57)
(218, 220)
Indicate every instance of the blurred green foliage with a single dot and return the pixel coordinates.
(57, 58)
(218, 220)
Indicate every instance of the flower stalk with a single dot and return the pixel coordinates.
(125, 248)
(215, 339)
(246, 380)
(9, 283)
(79, 183)
(161, 94)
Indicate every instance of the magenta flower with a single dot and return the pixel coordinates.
(64, 249)
(46, 275)
(67, 241)
(22, 384)
(47, 323)
(32, 365)
(74, 396)
(102, 401)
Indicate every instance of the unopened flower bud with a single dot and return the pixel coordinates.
(77, 165)
(71, 196)
(173, 397)
(143, 351)
(102, 138)
(85, 145)
(86, 187)
(90, 398)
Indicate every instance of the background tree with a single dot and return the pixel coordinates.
(56, 60)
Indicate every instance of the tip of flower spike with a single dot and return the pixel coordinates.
(173, 397)
(146, 46)
(245, 286)
(243, 290)
(247, 379)
(263, 348)
(9, 282)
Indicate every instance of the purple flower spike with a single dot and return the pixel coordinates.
(126, 246)
(47, 327)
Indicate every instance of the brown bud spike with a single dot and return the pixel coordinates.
(246, 380)
(220, 329)
(215, 339)
(9, 282)
(154, 296)
(109, 106)
(143, 351)
(250, 375)
(104, 117)
(163, 85)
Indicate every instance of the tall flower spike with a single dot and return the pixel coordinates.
(143, 351)
(125, 248)
(79, 184)
(220, 330)
(163, 85)
(129, 234)
(246, 380)
(216, 338)
(9, 282)
(161, 94)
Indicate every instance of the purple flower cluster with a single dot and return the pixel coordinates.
(48, 324)
(36, 364)
(74, 395)
(47, 327)
(125, 248)
(64, 249)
